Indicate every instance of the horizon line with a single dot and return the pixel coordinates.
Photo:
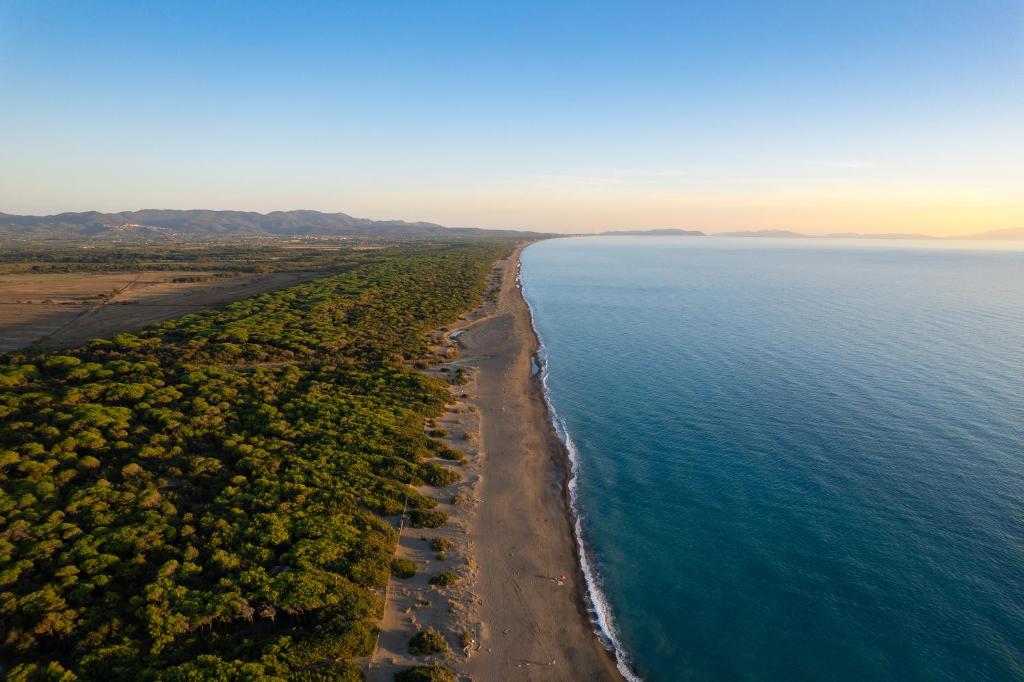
(757, 232)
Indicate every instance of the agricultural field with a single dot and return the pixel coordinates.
(60, 310)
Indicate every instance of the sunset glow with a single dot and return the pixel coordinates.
(819, 117)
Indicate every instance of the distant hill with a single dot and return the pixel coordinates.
(171, 224)
(664, 232)
(885, 235)
(761, 233)
(1011, 234)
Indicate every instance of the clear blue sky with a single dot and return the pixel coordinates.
(821, 116)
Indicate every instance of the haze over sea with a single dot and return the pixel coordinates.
(799, 460)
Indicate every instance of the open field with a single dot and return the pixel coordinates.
(64, 310)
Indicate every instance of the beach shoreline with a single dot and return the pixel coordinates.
(594, 600)
(531, 593)
(524, 601)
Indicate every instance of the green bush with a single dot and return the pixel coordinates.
(445, 579)
(451, 455)
(440, 544)
(403, 568)
(426, 642)
(438, 476)
(427, 518)
(425, 673)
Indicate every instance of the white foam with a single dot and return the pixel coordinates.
(600, 611)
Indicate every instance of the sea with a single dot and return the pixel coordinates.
(794, 459)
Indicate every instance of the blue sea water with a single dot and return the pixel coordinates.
(797, 460)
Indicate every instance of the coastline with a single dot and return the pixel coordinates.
(525, 597)
(594, 599)
(533, 626)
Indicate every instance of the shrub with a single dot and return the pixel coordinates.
(445, 579)
(437, 475)
(403, 568)
(440, 544)
(425, 673)
(451, 455)
(426, 642)
(427, 518)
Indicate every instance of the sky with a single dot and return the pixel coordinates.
(819, 116)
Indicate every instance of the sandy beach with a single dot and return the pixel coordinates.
(534, 628)
(519, 613)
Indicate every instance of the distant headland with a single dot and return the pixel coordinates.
(664, 232)
(995, 235)
(1011, 234)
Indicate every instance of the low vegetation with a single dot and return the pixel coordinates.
(445, 579)
(226, 259)
(203, 499)
(426, 642)
(451, 455)
(427, 518)
(403, 568)
(440, 544)
(438, 476)
(426, 673)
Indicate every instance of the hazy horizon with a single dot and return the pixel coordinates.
(872, 117)
(783, 232)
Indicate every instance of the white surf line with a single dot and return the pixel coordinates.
(600, 609)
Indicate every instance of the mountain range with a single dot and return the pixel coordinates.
(155, 224)
(197, 224)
